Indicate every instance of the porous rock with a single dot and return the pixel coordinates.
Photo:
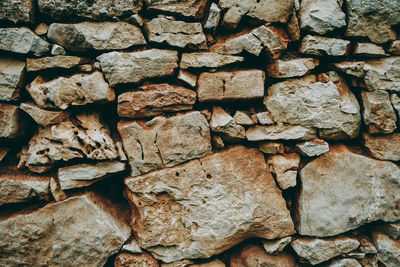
(17, 10)
(12, 77)
(214, 16)
(132, 260)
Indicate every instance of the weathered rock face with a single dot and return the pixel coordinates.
(42, 116)
(17, 11)
(12, 74)
(273, 247)
(127, 260)
(11, 121)
(207, 60)
(176, 33)
(368, 50)
(383, 147)
(324, 46)
(77, 90)
(352, 68)
(377, 27)
(155, 99)
(342, 190)
(96, 10)
(82, 230)
(284, 167)
(346, 262)
(165, 142)
(388, 249)
(330, 107)
(186, 8)
(135, 67)
(22, 41)
(88, 36)
(60, 62)
(280, 132)
(383, 74)
(291, 68)
(313, 148)
(395, 47)
(391, 229)
(237, 85)
(222, 123)
(214, 16)
(191, 229)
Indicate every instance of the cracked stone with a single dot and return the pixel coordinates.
(324, 46)
(388, 249)
(131, 260)
(382, 74)
(280, 132)
(207, 60)
(188, 78)
(56, 191)
(12, 123)
(12, 78)
(383, 147)
(242, 118)
(352, 68)
(61, 62)
(42, 116)
(284, 167)
(187, 8)
(313, 148)
(222, 123)
(291, 68)
(346, 262)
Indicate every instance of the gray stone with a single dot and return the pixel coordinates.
(242, 118)
(368, 50)
(313, 148)
(214, 16)
(132, 246)
(17, 10)
(274, 247)
(88, 36)
(383, 74)
(395, 48)
(341, 191)
(60, 62)
(187, 77)
(56, 191)
(388, 249)
(12, 124)
(135, 67)
(324, 46)
(222, 123)
(391, 229)
(22, 41)
(384, 147)
(291, 68)
(82, 230)
(42, 116)
(207, 60)
(187, 8)
(346, 262)
(57, 50)
(263, 118)
(280, 132)
(12, 78)
(352, 68)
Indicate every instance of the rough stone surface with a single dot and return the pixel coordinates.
(324, 46)
(132, 246)
(82, 230)
(214, 263)
(187, 8)
(192, 230)
(187, 78)
(274, 247)
(391, 229)
(284, 167)
(11, 121)
(207, 60)
(395, 48)
(56, 191)
(17, 10)
(330, 107)
(341, 190)
(61, 62)
(214, 16)
(280, 132)
(132, 260)
(271, 148)
(176, 33)
(291, 68)
(346, 262)
(313, 148)
(383, 74)
(57, 50)
(135, 67)
(317, 250)
(22, 41)
(368, 50)
(242, 118)
(236, 85)
(12, 78)
(42, 116)
(88, 36)
(77, 90)
(165, 142)
(388, 249)
(321, 16)
(222, 123)
(383, 147)
(352, 68)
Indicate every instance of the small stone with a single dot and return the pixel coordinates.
(132, 246)
(77, 90)
(368, 50)
(391, 229)
(60, 62)
(57, 50)
(242, 118)
(271, 148)
(221, 122)
(82, 175)
(194, 9)
(383, 147)
(264, 118)
(291, 68)
(284, 167)
(352, 68)
(236, 85)
(274, 247)
(217, 142)
(12, 124)
(22, 41)
(313, 148)
(87, 36)
(293, 28)
(3, 153)
(317, 250)
(56, 191)
(127, 260)
(155, 99)
(378, 115)
(17, 10)
(42, 116)
(176, 33)
(137, 20)
(214, 263)
(388, 249)
(188, 78)
(346, 262)
(207, 60)
(135, 67)
(369, 261)
(321, 16)
(41, 29)
(382, 74)
(324, 46)
(395, 48)
(280, 132)
(366, 246)
(214, 16)
(12, 78)
(85, 68)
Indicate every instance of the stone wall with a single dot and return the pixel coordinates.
(203, 133)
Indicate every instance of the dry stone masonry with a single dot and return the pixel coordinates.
(202, 133)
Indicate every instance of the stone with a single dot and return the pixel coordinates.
(57, 50)
(330, 107)
(377, 28)
(136, 19)
(264, 118)
(383, 147)
(165, 142)
(263, 10)
(88, 36)
(291, 68)
(82, 136)
(280, 132)
(132, 260)
(56, 191)
(274, 247)
(284, 167)
(207, 60)
(366, 245)
(321, 16)
(214, 16)
(269, 40)
(182, 263)
(395, 48)
(176, 33)
(255, 256)
(369, 261)
(346, 262)
(368, 50)
(93, 10)
(352, 68)
(3, 153)
(187, 78)
(222, 123)
(187, 8)
(42, 116)
(22, 41)
(217, 142)
(12, 124)
(388, 249)
(392, 229)
(341, 190)
(317, 250)
(242, 118)
(383, 74)
(12, 78)
(324, 46)
(82, 175)
(41, 29)
(61, 62)
(379, 115)
(271, 148)
(293, 28)
(313, 148)
(132, 246)
(155, 99)
(236, 85)
(135, 67)
(17, 10)
(77, 90)
(214, 263)
(16, 187)
(85, 68)
(84, 230)
(175, 208)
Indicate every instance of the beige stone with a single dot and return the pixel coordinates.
(352, 68)
(188, 8)
(214, 263)
(384, 147)
(222, 123)
(214, 16)
(207, 60)
(188, 78)
(242, 118)
(271, 148)
(60, 62)
(42, 116)
(382, 74)
(285, 169)
(388, 249)
(274, 247)
(395, 48)
(56, 191)
(324, 46)
(313, 148)
(135, 260)
(12, 124)
(12, 78)
(217, 142)
(368, 50)
(41, 29)
(280, 132)
(291, 68)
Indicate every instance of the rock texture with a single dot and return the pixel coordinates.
(383, 147)
(12, 78)
(187, 8)
(222, 123)
(207, 60)
(313, 148)
(388, 249)
(17, 11)
(60, 62)
(127, 259)
(42, 116)
(324, 46)
(11, 121)
(22, 41)
(280, 132)
(291, 68)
